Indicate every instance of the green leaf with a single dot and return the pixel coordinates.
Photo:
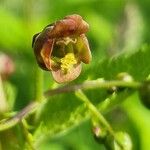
(136, 64)
(64, 110)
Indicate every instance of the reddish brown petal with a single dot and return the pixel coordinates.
(83, 49)
(60, 77)
(70, 26)
(40, 41)
(46, 53)
(43, 49)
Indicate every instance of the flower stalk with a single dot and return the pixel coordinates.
(38, 84)
(32, 107)
(3, 103)
(96, 114)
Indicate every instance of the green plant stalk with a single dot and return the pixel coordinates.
(27, 135)
(94, 111)
(38, 84)
(32, 107)
(25, 112)
(93, 84)
(3, 102)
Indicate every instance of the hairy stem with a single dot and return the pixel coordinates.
(27, 135)
(6, 124)
(92, 85)
(32, 107)
(94, 111)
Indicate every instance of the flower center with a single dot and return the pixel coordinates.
(67, 62)
(64, 55)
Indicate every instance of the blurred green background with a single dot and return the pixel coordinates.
(116, 26)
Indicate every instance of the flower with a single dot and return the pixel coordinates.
(62, 46)
(7, 66)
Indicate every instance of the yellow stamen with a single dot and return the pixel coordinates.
(67, 62)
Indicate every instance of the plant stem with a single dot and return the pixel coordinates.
(92, 85)
(97, 115)
(3, 103)
(6, 124)
(38, 84)
(32, 107)
(27, 135)
(94, 110)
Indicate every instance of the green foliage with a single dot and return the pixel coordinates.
(118, 44)
(145, 88)
(63, 111)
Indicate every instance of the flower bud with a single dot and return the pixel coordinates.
(121, 141)
(99, 134)
(124, 76)
(124, 140)
(7, 66)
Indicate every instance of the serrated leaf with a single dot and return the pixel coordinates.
(59, 109)
(136, 64)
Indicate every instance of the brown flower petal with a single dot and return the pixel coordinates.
(60, 77)
(70, 26)
(43, 48)
(46, 53)
(61, 47)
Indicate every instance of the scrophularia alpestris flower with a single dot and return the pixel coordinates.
(62, 46)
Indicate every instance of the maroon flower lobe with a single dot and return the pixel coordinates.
(62, 46)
